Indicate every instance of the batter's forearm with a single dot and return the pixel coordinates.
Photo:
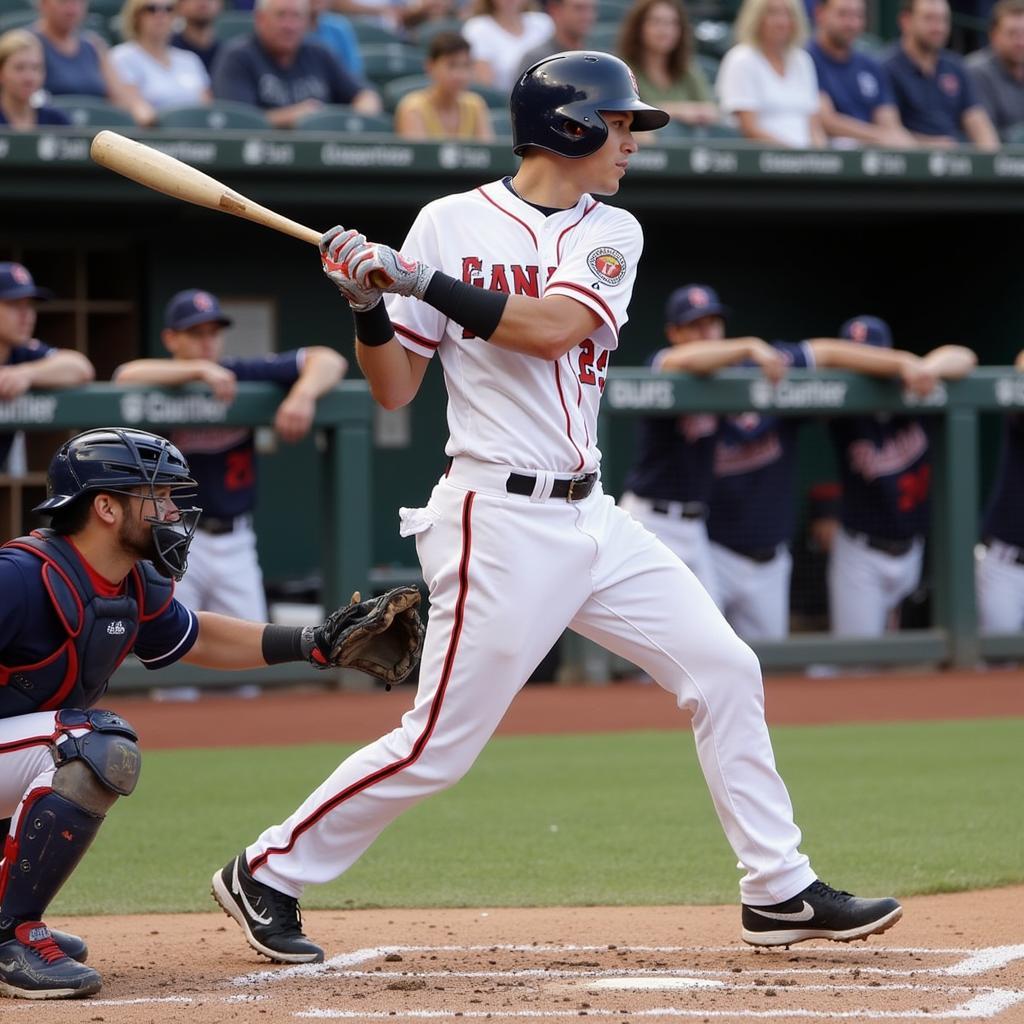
(390, 372)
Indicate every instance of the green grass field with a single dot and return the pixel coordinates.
(622, 818)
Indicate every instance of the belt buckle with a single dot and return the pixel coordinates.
(580, 478)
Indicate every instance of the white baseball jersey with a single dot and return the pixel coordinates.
(547, 409)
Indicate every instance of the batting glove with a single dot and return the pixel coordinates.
(376, 263)
(336, 249)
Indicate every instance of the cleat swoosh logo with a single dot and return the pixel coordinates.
(236, 888)
(804, 914)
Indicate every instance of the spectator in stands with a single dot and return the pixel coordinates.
(446, 109)
(500, 34)
(199, 31)
(656, 42)
(77, 62)
(934, 94)
(573, 21)
(335, 32)
(21, 77)
(998, 71)
(25, 362)
(223, 570)
(856, 100)
(278, 69)
(767, 80)
(164, 75)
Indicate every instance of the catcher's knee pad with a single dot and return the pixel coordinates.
(109, 749)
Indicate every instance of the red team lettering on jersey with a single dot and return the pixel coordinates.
(588, 253)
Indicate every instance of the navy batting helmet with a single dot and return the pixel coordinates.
(556, 104)
(122, 460)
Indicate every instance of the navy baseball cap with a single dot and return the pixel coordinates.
(867, 330)
(191, 307)
(691, 302)
(16, 283)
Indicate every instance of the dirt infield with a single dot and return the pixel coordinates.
(952, 957)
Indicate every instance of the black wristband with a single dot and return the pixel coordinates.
(476, 309)
(373, 327)
(282, 643)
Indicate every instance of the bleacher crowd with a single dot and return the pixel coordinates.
(443, 69)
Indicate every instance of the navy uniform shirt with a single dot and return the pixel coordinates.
(931, 104)
(27, 353)
(674, 454)
(30, 630)
(1004, 518)
(223, 459)
(885, 469)
(244, 72)
(753, 502)
(857, 87)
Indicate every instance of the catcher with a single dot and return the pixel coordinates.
(75, 600)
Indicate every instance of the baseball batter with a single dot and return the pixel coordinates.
(75, 600)
(521, 287)
(225, 574)
(885, 471)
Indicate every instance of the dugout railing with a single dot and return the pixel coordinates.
(340, 510)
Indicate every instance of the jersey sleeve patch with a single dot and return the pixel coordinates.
(608, 265)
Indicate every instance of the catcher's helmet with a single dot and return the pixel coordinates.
(122, 460)
(556, 103)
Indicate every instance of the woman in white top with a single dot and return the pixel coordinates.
(500, 34)
(767, 81)
(165, 75)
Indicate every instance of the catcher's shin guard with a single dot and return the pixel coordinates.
(50, 839)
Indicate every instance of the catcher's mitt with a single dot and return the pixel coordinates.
(382, 636)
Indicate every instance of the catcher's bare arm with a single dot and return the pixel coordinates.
(382, 636)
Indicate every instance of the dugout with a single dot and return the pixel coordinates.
(794, 242)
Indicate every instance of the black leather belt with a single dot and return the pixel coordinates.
(759, 555)
(680, 509)
(574, 489)
(887, 545)
(217, 527)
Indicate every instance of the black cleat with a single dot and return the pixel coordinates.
(819, 912)
(33, 966)
(269, 918)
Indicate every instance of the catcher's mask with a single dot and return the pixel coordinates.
(118, 460)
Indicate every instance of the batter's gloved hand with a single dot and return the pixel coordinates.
(382, 636)
(336, 249)
(377, 264)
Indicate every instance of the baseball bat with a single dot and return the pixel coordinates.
(179, 180)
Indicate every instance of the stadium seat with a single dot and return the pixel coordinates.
(709, 65)
(1015, 135)
(425, 32)
(343, 119)
(391, 92)
(369, 30)
(612, 10)
(715, 131)
(501, 122)
(21, 17)
(492, 97)
(216, 116)
(713, 37)
(384, 61)
(603, 36)
(91, 112)
(234, 23)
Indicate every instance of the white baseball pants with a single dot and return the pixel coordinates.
(507, 574)
(999, 585)
(865, 586)
(754, 596)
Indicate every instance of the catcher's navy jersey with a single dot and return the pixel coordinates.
(223, 459)
(27, 353)
(1003, 519)
(885, 471)
(752, 500)
(30, 631)
(675, 454)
